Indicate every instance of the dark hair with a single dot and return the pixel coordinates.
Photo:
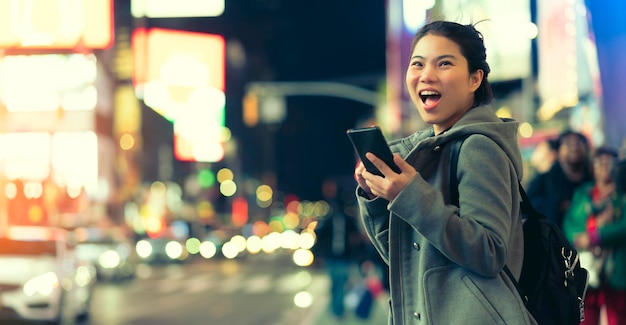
(619, 175)
(472, 47)
(566, 133)
(604, 150)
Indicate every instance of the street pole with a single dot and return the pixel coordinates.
(314, 88)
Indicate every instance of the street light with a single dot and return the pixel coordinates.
(265, 100)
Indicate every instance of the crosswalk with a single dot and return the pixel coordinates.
(162, 282)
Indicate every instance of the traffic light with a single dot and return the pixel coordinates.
(250, 109)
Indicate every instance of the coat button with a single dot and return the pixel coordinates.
(417, 315)
(436, 148)
(416, 246)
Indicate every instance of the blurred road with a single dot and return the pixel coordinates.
(258, 289)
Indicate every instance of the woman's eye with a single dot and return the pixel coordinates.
(445, 63)
(416, 64)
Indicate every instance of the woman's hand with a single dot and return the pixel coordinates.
(386, 187)
(358, 176)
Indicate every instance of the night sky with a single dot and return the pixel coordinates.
(329, 40)
(286, 40)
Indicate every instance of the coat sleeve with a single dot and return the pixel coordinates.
(476, 235)
(375, 218)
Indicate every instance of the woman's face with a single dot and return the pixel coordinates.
(572, 150)
(602, 166)
(439, 81)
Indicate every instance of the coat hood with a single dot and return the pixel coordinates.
(478, 120)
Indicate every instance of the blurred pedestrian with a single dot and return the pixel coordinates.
(338, 246)
(544, 155)
(596, 223)
(446, 262)
(551, 192)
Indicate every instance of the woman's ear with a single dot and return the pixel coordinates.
(476, 79)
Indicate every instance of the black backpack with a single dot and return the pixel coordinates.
(552, 284)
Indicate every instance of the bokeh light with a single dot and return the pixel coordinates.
(303, 299)
(208, 249)
(193, 245)
(303, 257)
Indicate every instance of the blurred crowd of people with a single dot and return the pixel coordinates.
(584, 192)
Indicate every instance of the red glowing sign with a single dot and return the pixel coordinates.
(157, 48)
(181, 76)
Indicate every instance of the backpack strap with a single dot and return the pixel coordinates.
(526, 205)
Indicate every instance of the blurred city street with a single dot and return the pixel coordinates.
(173, 162)
(258, 289)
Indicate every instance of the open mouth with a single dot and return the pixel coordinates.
(429, 97)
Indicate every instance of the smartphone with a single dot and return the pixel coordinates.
(371, 139)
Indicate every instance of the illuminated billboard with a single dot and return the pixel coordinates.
(56, 24)
(63, 81)
(178, 8)
(181, 76)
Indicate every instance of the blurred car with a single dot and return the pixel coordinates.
(161, 250)
(112, 257)
(40, 279)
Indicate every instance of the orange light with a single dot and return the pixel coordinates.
(35, 214)
(155, 227)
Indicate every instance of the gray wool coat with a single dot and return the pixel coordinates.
(446, 262)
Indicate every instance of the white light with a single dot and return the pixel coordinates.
(173, 249)
(43, 284)
(208, 249)
(303, 257)
(65, 81)
(143, 248)
(83, 276)
(254, 244)
(414, 12)
(109, 259)
(230, 250)
(228, 188)
(179, 8)
(240, 242)
(290, 239)
(303, 299)
(271, 242)
(306, 240)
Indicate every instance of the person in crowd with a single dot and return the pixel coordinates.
(544, 156)
(596, 224)
(338, 246)
(446, 262)
(551, 192)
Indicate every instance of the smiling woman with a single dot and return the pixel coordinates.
(457, 252)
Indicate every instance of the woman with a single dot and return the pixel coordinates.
(596, 223)
(446, 262)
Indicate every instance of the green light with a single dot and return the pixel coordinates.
(206, 178)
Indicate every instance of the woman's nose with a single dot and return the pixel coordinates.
(428, 74)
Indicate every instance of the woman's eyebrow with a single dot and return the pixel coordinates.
(444, 56)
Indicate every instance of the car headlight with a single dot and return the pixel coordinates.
(143, 248)
(83, 276)
(43, 284)
(173, 249)
(109, 259)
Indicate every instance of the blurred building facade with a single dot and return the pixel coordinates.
(554, 63)
(56, 112)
